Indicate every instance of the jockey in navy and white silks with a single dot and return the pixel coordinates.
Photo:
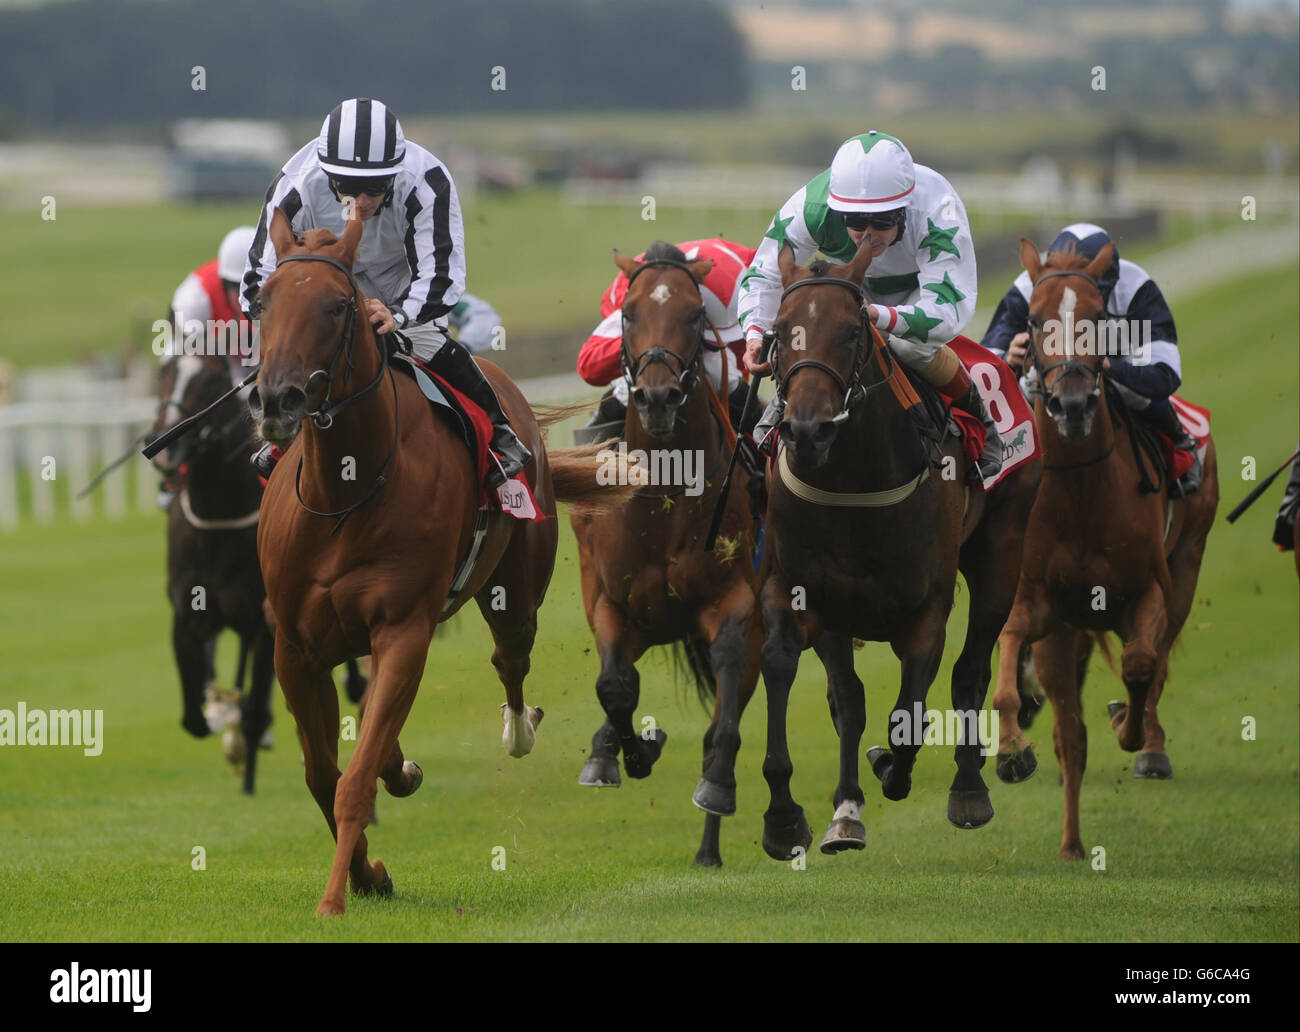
(1147, 376)
(410, 262)
(921, 286)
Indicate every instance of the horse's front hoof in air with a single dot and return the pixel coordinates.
(600, 772)
(520, 734)
(1152, 765)
(1014, 768)
(882, 765)
(782, 835)
(715, 799)
(846, 831)
(969, 808)
(639, 759)
(412, 779)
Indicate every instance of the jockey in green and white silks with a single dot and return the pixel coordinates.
(921, 286)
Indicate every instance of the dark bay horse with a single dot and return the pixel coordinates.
(213, 579)
(1099, 556)
(645, 577)
(864, 542)
(365, 563)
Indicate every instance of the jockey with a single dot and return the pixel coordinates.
(475, 323)
(600, 360)
(411, 260)
(1145, 380)
(207, 301)
(921, 285)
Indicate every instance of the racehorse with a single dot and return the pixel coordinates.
(213, 580)
(365, 529)
(863, 542)
(213, 577)
(1099, 554)
(645, 577)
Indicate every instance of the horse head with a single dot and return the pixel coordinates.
(1066, 311)
(311, 317)
(663, 332)
(188, 384)
(820, 326)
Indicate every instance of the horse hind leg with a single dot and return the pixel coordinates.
(785, 828)
(255, 707)
(733, 656)
(513, 635)
(618, 687)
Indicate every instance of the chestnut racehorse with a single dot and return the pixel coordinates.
(1099, 555)
(863, 541)
(646, 580)
(363, 532)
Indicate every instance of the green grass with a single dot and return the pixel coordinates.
(100, 848)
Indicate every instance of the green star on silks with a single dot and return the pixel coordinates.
(939, 241)
(918, 323)
(777, 230)
(946, 293)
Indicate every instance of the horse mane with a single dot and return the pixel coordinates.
(1067, 257)
(661, 249)
(318, 239)
(819, 267)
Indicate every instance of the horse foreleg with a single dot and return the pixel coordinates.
(255, 707)
(921, 651)
(849, 709)
(731, 627)
(399, 656)
(619, 688)
(1056, 658)
(189, 645)
(1027, 623)
(785, 828)
(1143, 631)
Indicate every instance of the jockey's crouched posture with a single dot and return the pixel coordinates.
(411, 260)
(921, 285)
(600, 360)
(1144, 379)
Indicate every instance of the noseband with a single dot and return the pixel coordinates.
(851, 390)
(686, 370)
(324, 417)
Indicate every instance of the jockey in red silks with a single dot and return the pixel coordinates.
(599, 361)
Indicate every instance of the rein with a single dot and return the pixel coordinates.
(325, 419)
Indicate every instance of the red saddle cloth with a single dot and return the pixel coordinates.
(1196, 421)
(1012, 417)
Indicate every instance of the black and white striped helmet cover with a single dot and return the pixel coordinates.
(361, 137)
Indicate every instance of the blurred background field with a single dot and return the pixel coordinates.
(101, 127)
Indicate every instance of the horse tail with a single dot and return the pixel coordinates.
(692, 656)
(593, 475)
(548, 415)
(1103, 642)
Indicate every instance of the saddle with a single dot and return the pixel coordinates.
(467, 419)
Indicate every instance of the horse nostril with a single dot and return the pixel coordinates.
(1053, 405)
(1091, 405)
(293, 402)
(255, 403)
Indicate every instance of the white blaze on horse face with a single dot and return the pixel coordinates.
(661, 293)
(812, 309)
(1068, 300)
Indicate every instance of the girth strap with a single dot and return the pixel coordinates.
(860, 499)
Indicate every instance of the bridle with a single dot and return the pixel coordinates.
(851, 390)
(686, 370)
(324, 417)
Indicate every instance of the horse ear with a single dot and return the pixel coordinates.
(1102, 262)
(626, 264)
(859, 263)
(1029, 258)
(282, 238)
(786, 263)
(351, 238)
(701, 269)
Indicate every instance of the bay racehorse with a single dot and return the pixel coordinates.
(364, 530)
(1100, 555)
(646, 579)
(863, 542)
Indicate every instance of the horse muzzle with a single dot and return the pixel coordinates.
(278, 412)
(809, 440)
(657, 407)
(1073, 414)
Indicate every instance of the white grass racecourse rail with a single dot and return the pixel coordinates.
(54, 448)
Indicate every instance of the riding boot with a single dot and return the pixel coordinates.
(749, 457)
(1167, 422)
(764, 433)
(606, 423)
(457, 366)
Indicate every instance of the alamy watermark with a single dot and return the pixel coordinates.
(224, 338)
(109, 985)
(25, 726)
(659, 467)
(945, 727)
(1129, 339)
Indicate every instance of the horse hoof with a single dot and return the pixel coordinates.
(715, 799)
(640, 759)
(843, 834)
(781, 840)
(384, 888)
(969, 808)
(882, 765)
(1014, 768)
(328, 909)
(600, 772)
(412, 779)
(1152, 765)
(1072, 851)
(703, 859)
(520, 730)
(1115, 710)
